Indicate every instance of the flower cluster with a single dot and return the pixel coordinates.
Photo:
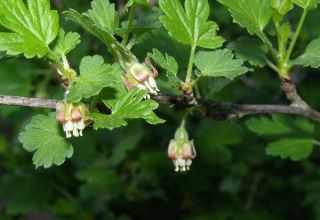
(181, 150)
(142, 76)
(72, 117)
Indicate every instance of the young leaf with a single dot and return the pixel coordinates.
(31, 29)
(105, 36)
(311, 56)
(164, 61)
(190, 26)
(169, 64)
(282, 6)
(94, 76)
(307, 4)
(295, 149)
(65, 43)
(253, 15)
(251, 50)
(129, 106)
(104, 15)
(42, 136)
(219, 63)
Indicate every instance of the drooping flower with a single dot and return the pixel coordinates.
(73, 118)
(181, 150)
(142, 76)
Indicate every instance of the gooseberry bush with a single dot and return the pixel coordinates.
(154, 57)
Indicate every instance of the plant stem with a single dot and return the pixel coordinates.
(296, 35)
(272, 65)
(131, 17)
(190, 64)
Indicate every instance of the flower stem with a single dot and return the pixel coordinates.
(296, 35)
(190, 64)
(131, 17)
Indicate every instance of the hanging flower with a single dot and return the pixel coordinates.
(73, 118)
(181, 150)
(142, 76)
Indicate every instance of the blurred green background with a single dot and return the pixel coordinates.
(125, 174)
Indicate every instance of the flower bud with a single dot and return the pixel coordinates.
(72, 117)
(181, 150)
(142, 76)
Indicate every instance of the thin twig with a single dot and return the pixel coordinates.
(212, 109)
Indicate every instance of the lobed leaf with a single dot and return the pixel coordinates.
(251, 50)
(42, 136)
(31, 29)
(104, 15)
(219, 63)
(253, 15)
(295, 149)
(65, 43)
(311, 57)
(94, 76)
(190, 25)
(307, 4)
(129, 106)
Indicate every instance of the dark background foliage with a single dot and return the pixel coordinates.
(125, 174)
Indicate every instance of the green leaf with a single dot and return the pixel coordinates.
(311, 57)
(282, 6)
(190, 26)
(253, 15)
(295, 149)
(251, 50)
(105, 36)
(94, 76)
(31, 29)
(169, 64)
(268, 126)
(138, 2)
(307, 4)
(279, 125)
(128, 106)
(104, 15)
(65, 43)
(42, 136)
(219, 63)
(164, 61)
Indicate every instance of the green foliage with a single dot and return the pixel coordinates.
(219, 63)
(94, 76)
(65, 43)
(282, 6)
(296, 145)
(311, 57)
(251, 50)
(100, 181)
(125, 173)
(169, 64)
(29, 186)
(96, 29)
(32, 29)
(253, 15)
(104, 15)
(295, 149)
(190, 25)
(307, 4)
(42, 136)
(128, 106)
